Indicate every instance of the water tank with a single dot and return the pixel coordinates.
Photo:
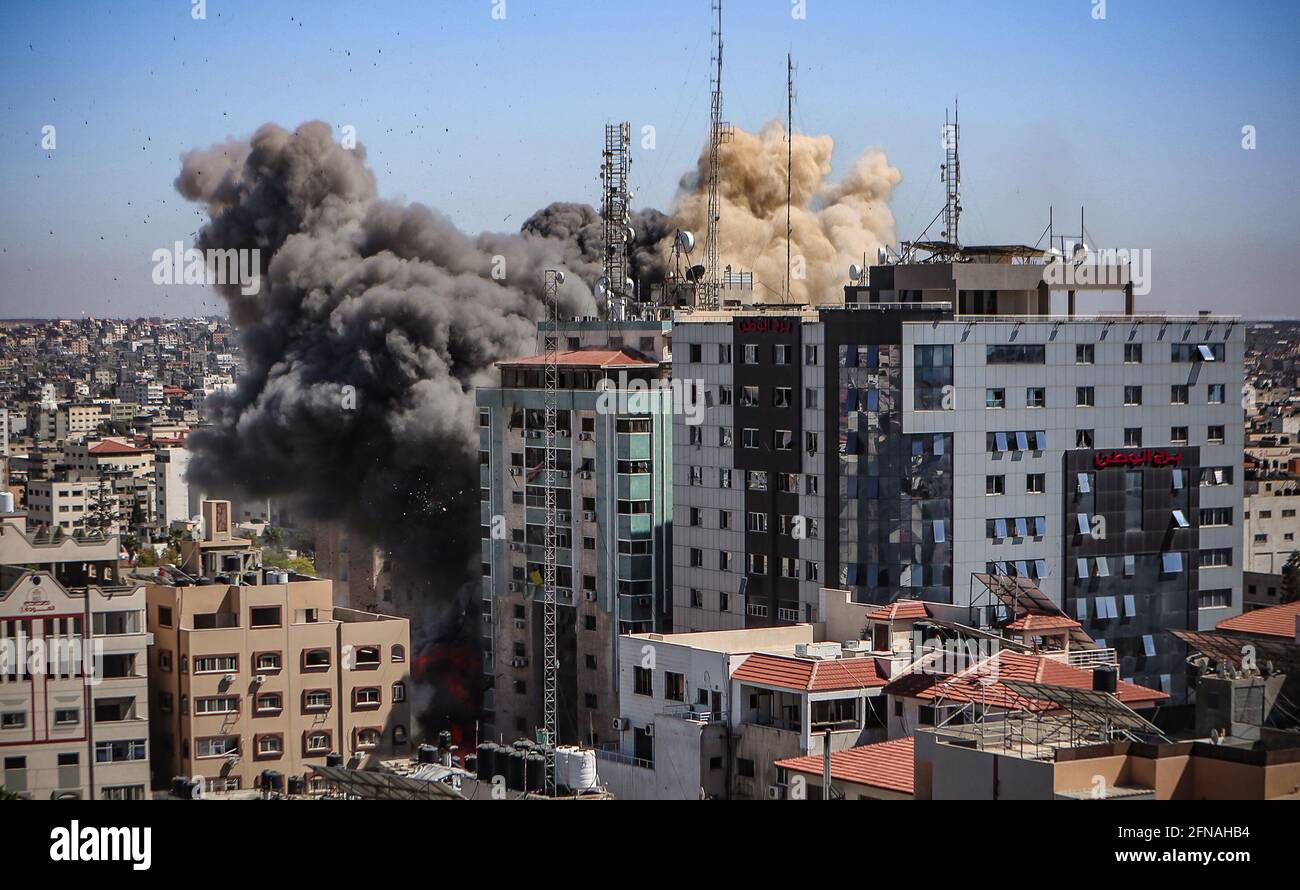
(6, 501)
(470, 763)
(562, 754)
(582, 770)
(426, 754)
(272, 780)
(488, 755)
(297, 785)
(1104, 680)
(536, 771)
(515, 769)
(333, 759)
(250, 577)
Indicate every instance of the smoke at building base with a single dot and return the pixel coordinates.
(375, 321)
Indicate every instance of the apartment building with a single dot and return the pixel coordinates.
(1271, 523)
(74, 721)
(614, 496)
(264, 673)
(68, 504)
(896, 447)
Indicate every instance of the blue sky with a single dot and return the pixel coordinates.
(1137, 116)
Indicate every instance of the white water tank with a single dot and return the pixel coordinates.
(582, 770)
(6, 502)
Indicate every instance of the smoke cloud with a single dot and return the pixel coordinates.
(833, 223)
(376, 321)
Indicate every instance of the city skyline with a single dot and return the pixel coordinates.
(1143, 109)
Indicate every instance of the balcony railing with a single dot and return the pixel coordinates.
(620, 757)
(695, 713)
(1084, 657)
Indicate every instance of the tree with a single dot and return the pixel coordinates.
(1291, 579)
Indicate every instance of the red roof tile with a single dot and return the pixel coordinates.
(1035, 621)
(901, 609)
(587, 358)
(1271, 621)
(808, 674)
(983, 683)
(111, 446)
(886, 765)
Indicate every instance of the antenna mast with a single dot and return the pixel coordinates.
(789, 163)
(550, 652)
(952, 178)
(614, 210)
(719, 133)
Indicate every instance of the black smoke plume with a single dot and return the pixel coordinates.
(373, 324)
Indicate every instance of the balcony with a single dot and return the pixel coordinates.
(1084, 658)
(701, 714)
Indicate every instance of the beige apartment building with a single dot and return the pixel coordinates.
(270, 675)
(73, 683)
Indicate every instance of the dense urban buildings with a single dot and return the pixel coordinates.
(941, 423)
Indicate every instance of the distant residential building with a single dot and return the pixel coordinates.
(77, 726)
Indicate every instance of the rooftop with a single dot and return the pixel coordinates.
(886, 765)
(1272, 621)
(586, 358)
(985, 683)
(809, 674)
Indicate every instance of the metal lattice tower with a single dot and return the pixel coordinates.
(614, 210)
(550, 654)
(951, 171)
(719, 132)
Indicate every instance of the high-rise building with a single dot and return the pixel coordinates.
(614, 501)
(74, 721)
(941, 423)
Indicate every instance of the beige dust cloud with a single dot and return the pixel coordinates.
(833, 223)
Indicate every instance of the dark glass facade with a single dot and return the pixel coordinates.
(1132, 575)
(895, 490)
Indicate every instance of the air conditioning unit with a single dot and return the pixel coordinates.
(585, 474)
(649, 730)
(584, 437)
(519, 662)
(775, 792)
(590, 595)
(516, 471)
(515, 545)
(589, 516)
(562, 516)
(514, 587)
(229, 678)
(259, 679)
(521, 623)
(621, 724)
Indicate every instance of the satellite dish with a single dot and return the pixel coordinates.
(686, 241)
(600, 289)
(630, 236)
(559, 277)
(602, 282)
(855, 272)
(695, 273)
(627, 285)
